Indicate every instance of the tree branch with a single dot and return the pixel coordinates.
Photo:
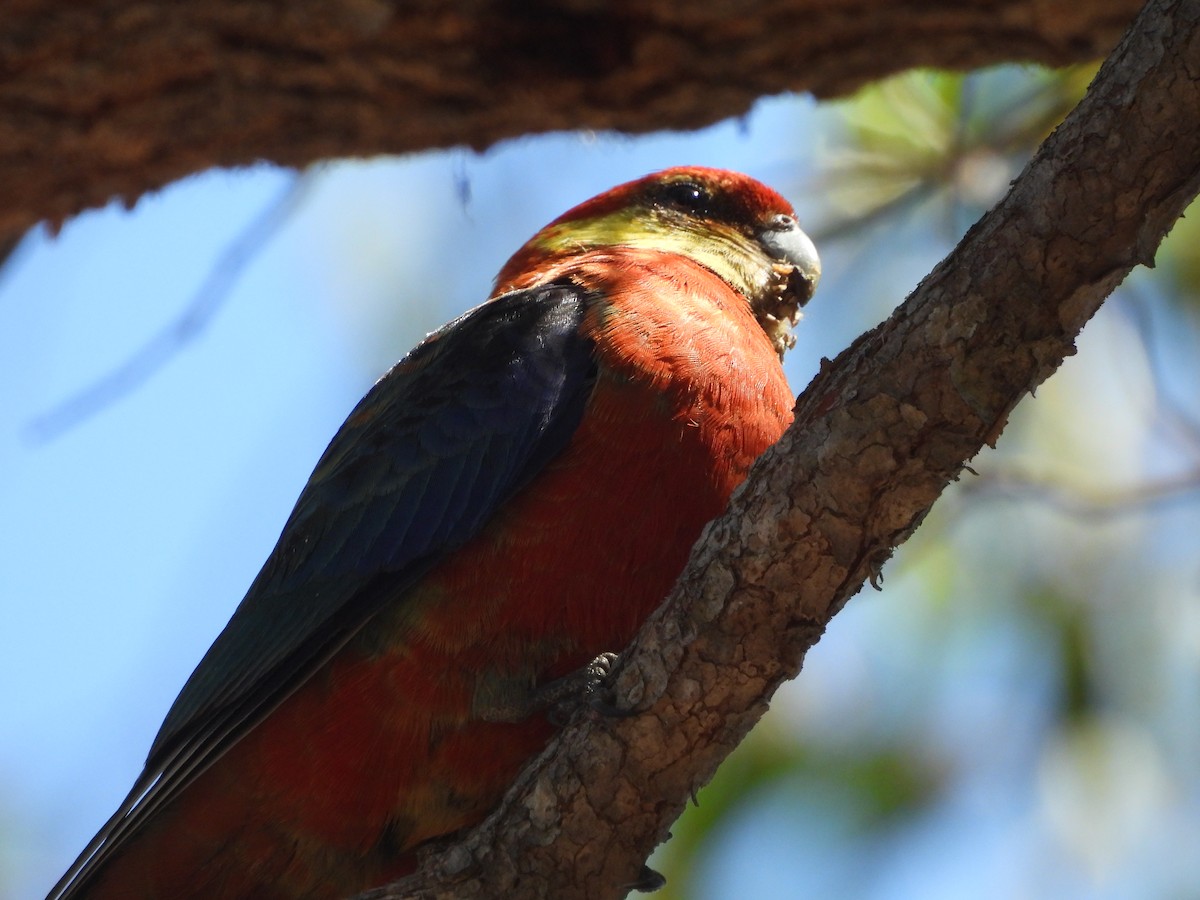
(878, 435)
(114, 98)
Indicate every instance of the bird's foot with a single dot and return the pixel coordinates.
(561, 697)
(599, 690)
(507, 700)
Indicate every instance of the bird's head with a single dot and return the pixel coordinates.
(727, 222)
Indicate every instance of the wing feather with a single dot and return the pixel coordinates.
(438, 444)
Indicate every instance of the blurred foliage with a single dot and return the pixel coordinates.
(928, 133)
(1181, 262)
(880, 787)
(1039, 637)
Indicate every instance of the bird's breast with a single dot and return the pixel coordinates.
(689, 393)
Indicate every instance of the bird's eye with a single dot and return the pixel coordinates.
(687, 196)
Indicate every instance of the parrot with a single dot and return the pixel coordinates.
(505, 505)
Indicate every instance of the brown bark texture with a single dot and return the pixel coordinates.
(113, 98)
(878, 436)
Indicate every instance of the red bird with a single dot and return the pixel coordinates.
(511, 500)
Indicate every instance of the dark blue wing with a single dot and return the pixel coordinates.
(424, 460)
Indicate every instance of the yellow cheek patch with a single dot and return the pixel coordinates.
(737, 258)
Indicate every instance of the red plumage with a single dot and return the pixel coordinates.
(669, 389)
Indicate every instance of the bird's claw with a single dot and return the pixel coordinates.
(599, 671)
(560, 698)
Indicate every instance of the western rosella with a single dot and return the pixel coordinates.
(508, 502)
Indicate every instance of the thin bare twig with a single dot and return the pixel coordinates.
(208, 299)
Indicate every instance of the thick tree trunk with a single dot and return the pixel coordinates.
(113, 98)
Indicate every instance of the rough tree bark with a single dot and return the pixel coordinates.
(878, 435)
(112, 98)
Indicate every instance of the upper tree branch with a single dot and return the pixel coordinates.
(112, 98)
(878, 435)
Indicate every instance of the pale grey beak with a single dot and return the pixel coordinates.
(786, 242)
